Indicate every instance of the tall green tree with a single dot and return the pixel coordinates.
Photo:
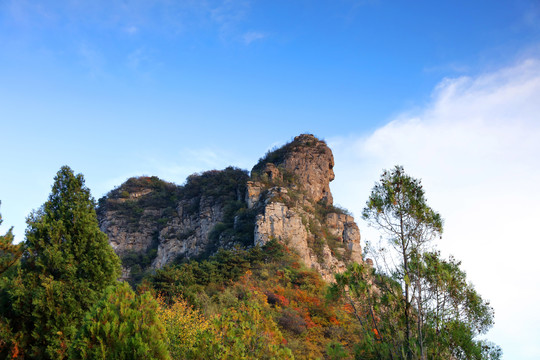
(122, 326)
(9, 255)
(413, 305)
(66, 266)
(397, 206)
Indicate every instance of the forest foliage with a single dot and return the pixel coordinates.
(60, 298)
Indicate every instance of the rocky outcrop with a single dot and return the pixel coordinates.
(277, 221)
(306, 158)
(343, 227)
(312, 162)
(149, 215)
(287, 197)
(181, 235)
(293, 197)
(124, 237)
(186, 235)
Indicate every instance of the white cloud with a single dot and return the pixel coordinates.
(476, 147)
(252, 36)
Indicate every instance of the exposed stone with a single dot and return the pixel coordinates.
(272, 172)
(278, 222)
(187, 235)
(312, 162)
(253, 193)
(124, 237)
(287, 190)
(345, 229)
(183, 235)
(369, 262)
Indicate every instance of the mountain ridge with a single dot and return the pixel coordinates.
(151, 223)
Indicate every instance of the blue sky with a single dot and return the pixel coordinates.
(448, 89)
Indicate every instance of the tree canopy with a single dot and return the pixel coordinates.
(413, 304)
(66, 265)
(122, 326)
(9, 252)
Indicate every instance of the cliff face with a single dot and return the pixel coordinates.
(294, 202)
(151, 223)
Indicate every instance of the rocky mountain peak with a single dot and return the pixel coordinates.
(151, 223)
(308, 159)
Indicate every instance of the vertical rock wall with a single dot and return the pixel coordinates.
(291, 211)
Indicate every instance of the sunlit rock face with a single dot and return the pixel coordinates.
(291, 189)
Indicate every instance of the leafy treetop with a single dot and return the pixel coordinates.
(66, 265)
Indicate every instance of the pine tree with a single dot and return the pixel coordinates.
(66, 266)
(9, 252)
(9, 256)
(397, 206)
(419, 305)
(122, 326)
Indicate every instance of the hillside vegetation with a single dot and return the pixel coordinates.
(237, 266)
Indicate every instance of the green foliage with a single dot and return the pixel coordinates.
(135, 195)
(453, 313)
(237, 227)
(275, 156)
(422, 307)
(375, 301)
(121, 326)
(9, 252)
(156, 193)
(188, 331)
(335, 351)
(188, 279)
(9, 257)
(317, 239)
(397, 205)
(261, 301)
(321, 235)
(222, 186)
(66, 265)
(139, 263)
(322, 209)
(247, 331)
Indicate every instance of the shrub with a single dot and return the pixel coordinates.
(292, 321)
(185, 327)
(122, 325)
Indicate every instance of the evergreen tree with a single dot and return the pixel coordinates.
(9, 255)
(122, 326)
(66, 266)
(398, 207)
(9, 252)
